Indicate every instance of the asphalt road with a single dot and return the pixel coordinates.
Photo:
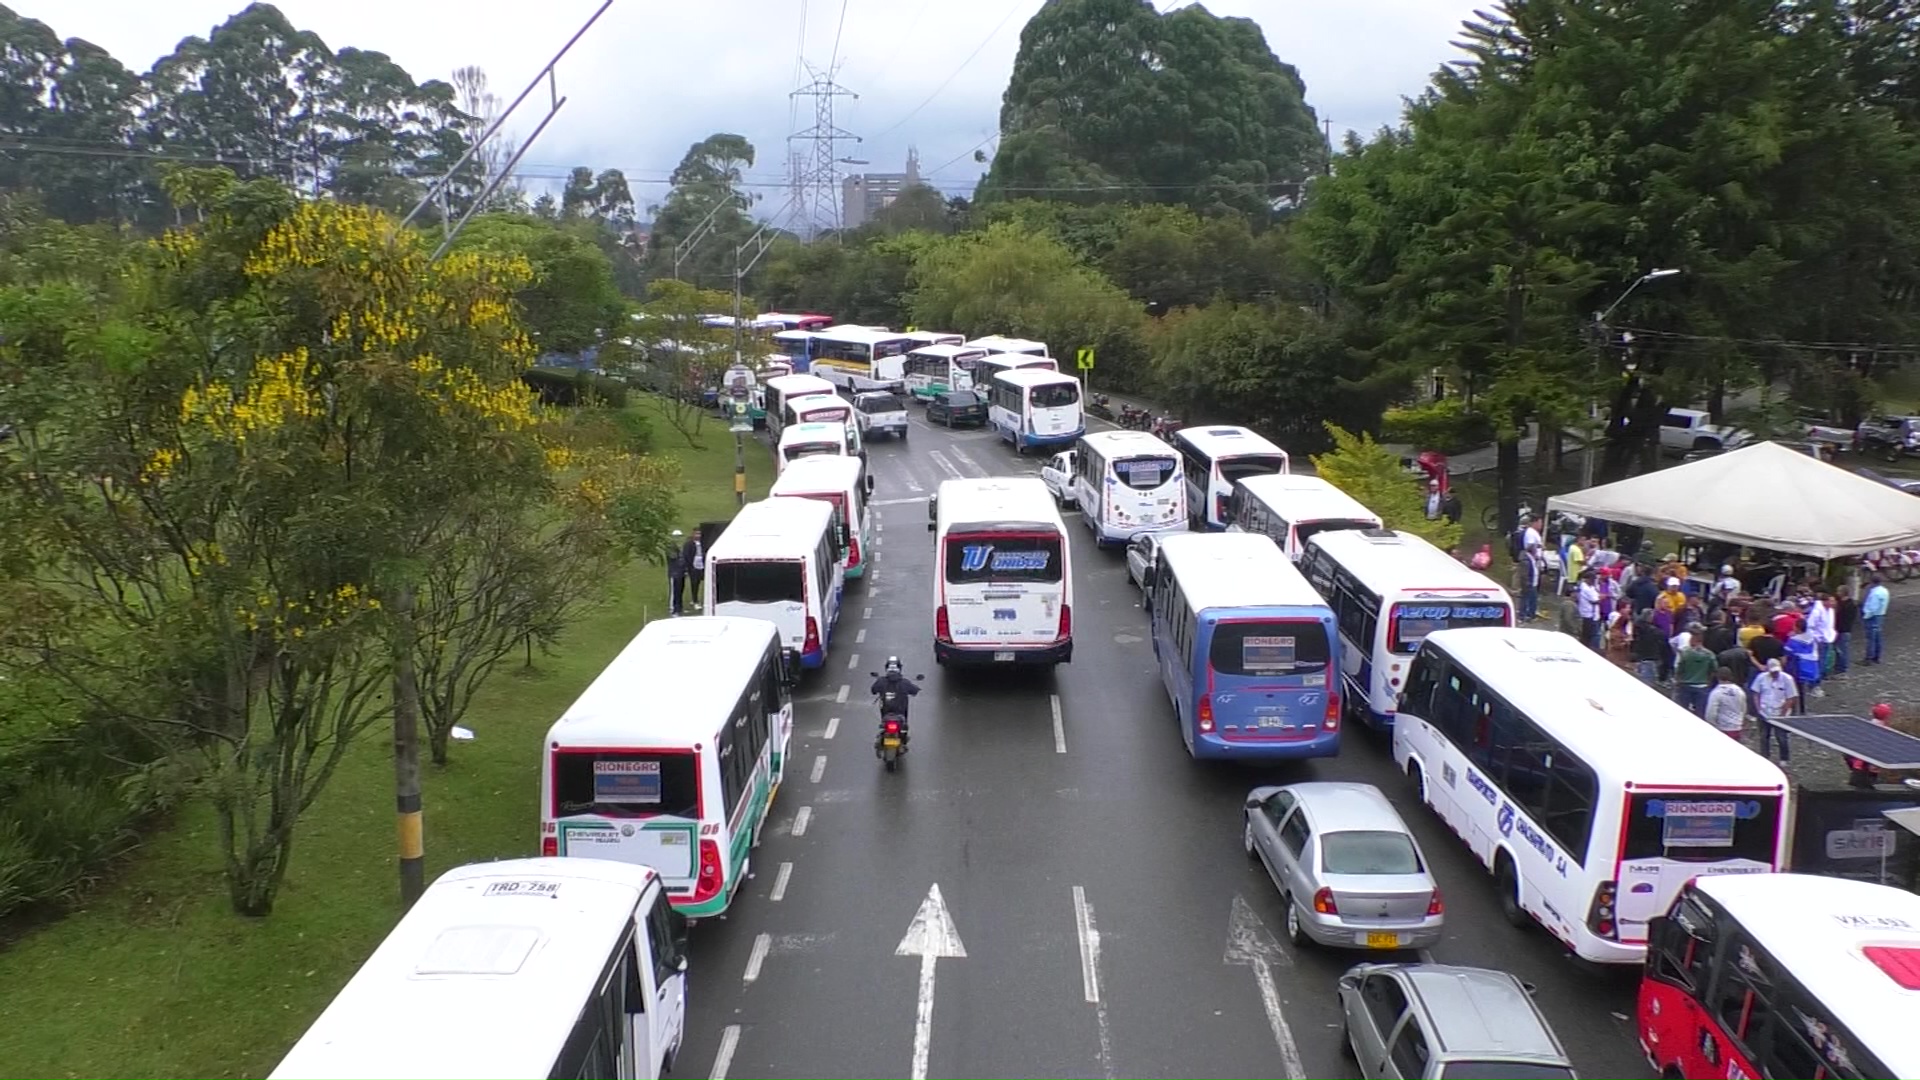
(1088, 869)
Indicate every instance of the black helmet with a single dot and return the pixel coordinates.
(893, 665)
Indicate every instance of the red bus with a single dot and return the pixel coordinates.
(1784, 975)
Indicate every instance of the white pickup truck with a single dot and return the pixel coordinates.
(1687, 431)
(1057, 474)
(880, 413)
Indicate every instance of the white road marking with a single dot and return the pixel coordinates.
(930, 936)
(853, 661)
(779, 892)
(969, 462)
(819, 766)
(873, 575)
(1090, 975)
(757, 957)
(866, 613)
(946, 466)
(841, 697)
(1251, 944)
(723, 1059)
(861, 637)
(800, 819)
(912, 485)
(896, 502)
(833, 726)
(1059, 732)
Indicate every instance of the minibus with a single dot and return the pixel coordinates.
(840, 481)
(516, 968)
(1390, 590)
(1218, 455)
(782, 560)
(1291, 508)
(1247, 651)
(994, 343)
(1002, 582)
(1128, 483)
(1035, 408)
(781, 391)
(829, 439)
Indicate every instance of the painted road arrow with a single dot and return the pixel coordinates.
(930, 937)
(1251, 944)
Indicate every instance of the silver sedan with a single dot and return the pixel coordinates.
(1348, 868)
(1141, 554)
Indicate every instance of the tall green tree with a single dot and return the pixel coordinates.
(571, 301)
(66, 106)
(707, 211)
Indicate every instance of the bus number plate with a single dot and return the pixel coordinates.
(1003, 658)
(1274, 722)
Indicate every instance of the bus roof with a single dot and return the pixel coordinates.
(660, 689)
(1309, 498)
(1112, 444)
(1603, 713)
(949, 352)
(1817, 927)
(789, 385)
(477, 983)
(934, 337)
(1384, 560)
(1011, 345)
(1235, 570)
(1215, 441)
(830, 430)
(774, 528)
(1030, 377)
(818, 473)
(1001, 503)
(863, 334)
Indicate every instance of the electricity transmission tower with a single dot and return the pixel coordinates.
(816, 157)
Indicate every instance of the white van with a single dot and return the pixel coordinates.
(782, 560)
(785, 389)
(831, 439)
(516, 968)
(1002, 585)
(843, 482)
(1290, 509)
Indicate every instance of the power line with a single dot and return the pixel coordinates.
(1019, 4)
(833, 59)
(1678, 337)
(968, 152)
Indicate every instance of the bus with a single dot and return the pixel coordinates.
(1291, 509)
(932, 370)
(798, 441)
(1003, 593)
(783, 560)
(1247, 650)
(840, 481)
(793, 348)
(1217, 457)
(923, 338)
(858, 358)
(1035, 408)
(996, 344)
(1590, 796)
(1783, 975)
(994, 363)
(516, 968)
(1127, 483)
(1390, 590)
(781, 391)
(790, 321)
(671, 756)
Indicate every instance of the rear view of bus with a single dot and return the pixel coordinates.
(1129, 483)
(1217, 458)
(782, 560)
(1003, 593)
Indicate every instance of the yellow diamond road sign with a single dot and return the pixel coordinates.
(1083, 358)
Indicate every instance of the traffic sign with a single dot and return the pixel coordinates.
(742, 420)
(1083, 358)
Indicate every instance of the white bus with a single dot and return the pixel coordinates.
(1291, 509)
(1218, 456)
(833, 439)
(841, 481)
(1127, 483)
(933, 370)
(1390, 590)
(859, 358)
(933, 337)
(783, 560)
(1003, 586)
(996, 344)
(786, 389)
(993, 364)
(1591, 796)
(1035, 408)
(522, 969)
(671, 756)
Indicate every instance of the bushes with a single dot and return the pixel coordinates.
(568, 387)
(1444, 425)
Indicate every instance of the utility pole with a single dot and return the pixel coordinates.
(742, 424)
(818, 181)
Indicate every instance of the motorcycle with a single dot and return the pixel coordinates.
(891, 740)
(1099, 406)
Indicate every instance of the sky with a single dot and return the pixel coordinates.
(650, 78)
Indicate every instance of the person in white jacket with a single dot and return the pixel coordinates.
(1727, 704)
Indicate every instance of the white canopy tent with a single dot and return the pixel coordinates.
(1765, 496)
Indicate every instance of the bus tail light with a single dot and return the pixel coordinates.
(1204, 715)
(550, 846)
(1330, 721)
(1600, 915)
(1220, 507)
(1066, 623)
(1434, 906)
(707, 885)
(813, 635)
(942, 630)
(853, 548)
(1323, 902)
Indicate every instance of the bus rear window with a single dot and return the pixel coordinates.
(1278, 647)
(614, 783)
(758, 582)
(1707, 827)
(1144, 473)
(995, 557)
(1239, 468)
(796, 451)
(1413, 622)
(1055, 395)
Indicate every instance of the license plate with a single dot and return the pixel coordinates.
(1274, 722)
(1383, 941)
(1003, 658)
(890, 742)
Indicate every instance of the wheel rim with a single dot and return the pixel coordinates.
(1246, 837)
(1293, 920)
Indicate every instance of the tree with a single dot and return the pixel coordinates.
(571, 303)
(706, 210)
(64, 102)
(474, 98)
(866, 280)
(917, 208)
(678, 354)
(1375, 478)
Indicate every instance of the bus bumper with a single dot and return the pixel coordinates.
(1122, 534)
(1063, 439)
(1379, 721)
(1215, 748)
(948, 653)
(857, 570)
(813, 658)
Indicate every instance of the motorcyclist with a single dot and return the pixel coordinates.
(893, 680)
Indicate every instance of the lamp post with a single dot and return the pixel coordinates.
(1600, 338)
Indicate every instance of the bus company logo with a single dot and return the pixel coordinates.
(977, 557)
(1479, 784)
(1504, 820)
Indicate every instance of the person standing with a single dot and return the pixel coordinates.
(1529, 570)
(1820, 625)
(1859, 773)
(1726, 704)
(1774, 695)
(1693, 672)
(693, 556)
(1586, 603)
(1450, 507)
(1846, 613)
(1873, 614)
(676, 572)
(1648, 646)
(1433, 500)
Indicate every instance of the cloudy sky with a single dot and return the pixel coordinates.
(652, 77)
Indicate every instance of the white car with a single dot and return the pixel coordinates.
(880, 413)
(1142, 553)
(1057, 474)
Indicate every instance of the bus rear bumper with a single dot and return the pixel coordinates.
(1067, 438)
(1021, 656)
(1124, 534)
(1216, 748)
(813, 659)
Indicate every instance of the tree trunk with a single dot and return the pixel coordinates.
(406, 752)
(437, 744)
(1507, 472)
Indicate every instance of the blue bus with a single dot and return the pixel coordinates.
(1248, 651)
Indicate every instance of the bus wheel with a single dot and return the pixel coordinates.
(1419, 777)
(1509, 885)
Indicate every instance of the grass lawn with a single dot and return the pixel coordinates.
(156, 976)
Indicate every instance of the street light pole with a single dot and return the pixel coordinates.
(759, 243)
(1599, 338)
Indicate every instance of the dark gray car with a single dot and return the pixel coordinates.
(1440, 1021)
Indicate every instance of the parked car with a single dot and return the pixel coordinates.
(880, 413)
(1347, 867)
(1142, 553)
(1057, 474)
(1430, 1021)
(1689, 431)
(1892, 437)
(958, 408)
(1911, 487)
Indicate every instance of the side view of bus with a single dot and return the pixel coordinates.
(792, 321)
(1247, 650)
(1217, 457)
(1128, 483)
(933, 370)
(997, 344)
(1035, 408)
(523, 967)
(933, 337)
(786, 390)
(1291, 509)
(841, 482)
(1003, 582)
(670, 757)
(783, 560)
(860, 358)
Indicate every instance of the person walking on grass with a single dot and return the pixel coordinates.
(1774, 697)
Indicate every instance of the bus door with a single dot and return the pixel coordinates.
(660, 954)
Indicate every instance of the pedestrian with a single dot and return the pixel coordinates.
(1619, 636)
(1846, 614)
(1873, 613)
(676, 572)
(1820, 625)
(1648, 646)
(1586, 604)
(693, 556)
(1673, 597)
(1693, 673)
(1860, 774)
(1433, 500)
(1720, 636)
(1726, 704)
(1483, 558)
(1529, 569)
(1740, 662)
(1775, 696)
(1727, 587)
(1803, 649)
(1450, 507)
(1765, 647)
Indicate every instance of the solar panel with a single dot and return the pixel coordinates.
(1857, 737)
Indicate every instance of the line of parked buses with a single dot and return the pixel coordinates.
(1282, 615)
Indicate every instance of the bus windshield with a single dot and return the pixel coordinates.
(1000, 557)
(1706, 827)
(1413, 622)
(1143, 473)
(1055, 395)
(1245, 465)
(758, 582)
(1269, 647)
(614, 783)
